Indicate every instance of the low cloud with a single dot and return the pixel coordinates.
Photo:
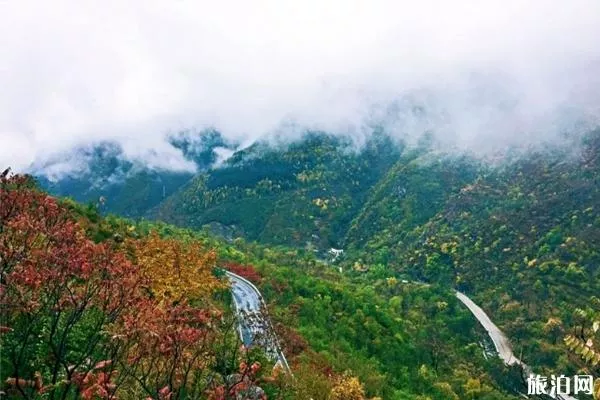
(480, 74)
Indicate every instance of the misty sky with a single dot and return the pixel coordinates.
(488, 73)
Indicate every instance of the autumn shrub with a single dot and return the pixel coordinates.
(245, 271)
(101, 320)
(347, 388)
(175, 270)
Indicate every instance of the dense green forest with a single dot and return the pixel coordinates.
(92, 309)
(303, 194)
(520, 235)
(523, 238)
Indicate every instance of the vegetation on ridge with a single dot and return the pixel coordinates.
(521, 238)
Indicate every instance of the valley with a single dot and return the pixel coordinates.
(520, 239)
(300, 200)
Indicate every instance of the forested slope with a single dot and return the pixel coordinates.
(304, 193)
(106, 177)
(97, 307)
(523, 238)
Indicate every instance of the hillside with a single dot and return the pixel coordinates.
(302, 194)
(520, 236)
(104, 176)
(523, 237)
(300, 200)
(103, 307)
(412, 191)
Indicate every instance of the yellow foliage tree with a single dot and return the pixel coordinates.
(472, 387)
(585, 342)
(176, 270)
(348, 388)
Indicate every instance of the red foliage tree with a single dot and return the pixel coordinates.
(58, 291)
(293, 343)
(245, 271)
(80, 319)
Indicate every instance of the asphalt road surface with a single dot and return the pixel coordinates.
(254, 327)
(501, 342)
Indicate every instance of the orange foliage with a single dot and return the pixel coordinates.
(175, 270)
(59, 289)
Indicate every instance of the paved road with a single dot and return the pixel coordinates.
(255, 327)
(500, 340)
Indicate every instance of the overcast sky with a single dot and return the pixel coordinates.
(490, 73)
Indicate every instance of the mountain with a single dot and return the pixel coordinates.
(523, 237)
(519, 235)
(416, 187)
(105, 307)
(115, 184)
(304, 194)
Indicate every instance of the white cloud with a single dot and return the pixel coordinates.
(491, 72)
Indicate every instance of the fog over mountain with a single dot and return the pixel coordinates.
(480, 75)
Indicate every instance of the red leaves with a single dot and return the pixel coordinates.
(245, 271)
(165, 393)
(49, 269)
(240, 386)
(294, 343)
(45, 254)
(171, 334)
(94, 384)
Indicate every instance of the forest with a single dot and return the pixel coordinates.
(98, 305)
(300, 200)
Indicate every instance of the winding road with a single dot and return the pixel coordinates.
(254, 326)
(501, 342)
